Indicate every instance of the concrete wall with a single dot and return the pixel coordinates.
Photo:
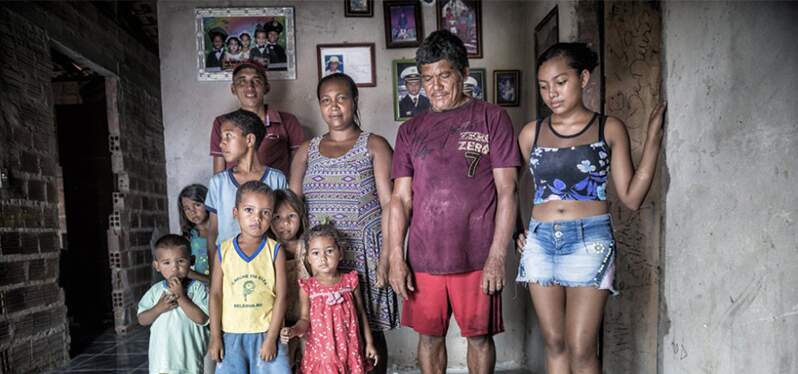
(729, 266)
(189, 107)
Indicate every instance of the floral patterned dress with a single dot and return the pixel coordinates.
(343, 190)
(333, 342)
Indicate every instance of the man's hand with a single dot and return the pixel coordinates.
(493, 275)
(382, 273)
(401, 279)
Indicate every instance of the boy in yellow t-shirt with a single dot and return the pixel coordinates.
(249, 290)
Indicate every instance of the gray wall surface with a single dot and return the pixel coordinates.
(189, 107)
(730, 263)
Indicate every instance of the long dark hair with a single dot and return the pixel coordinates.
(350, 84)
(193, 192)
(579, 56)
(290, 198)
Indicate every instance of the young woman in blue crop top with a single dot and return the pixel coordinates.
(568, 251)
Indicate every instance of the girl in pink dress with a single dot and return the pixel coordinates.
(331, 311)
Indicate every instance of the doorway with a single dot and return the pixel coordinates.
(86, 197)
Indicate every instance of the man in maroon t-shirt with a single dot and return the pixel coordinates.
(284, 134)
(454, 168)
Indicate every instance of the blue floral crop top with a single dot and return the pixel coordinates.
(570, 173)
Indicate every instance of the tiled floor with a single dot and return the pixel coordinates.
(128, 354)
(112, 354)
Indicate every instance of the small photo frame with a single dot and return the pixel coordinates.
(355, 60)
(404, 26)
(464, 19)
(358, 8)
(474, 85)
(506, 87)
(409, 97)
(227, 37)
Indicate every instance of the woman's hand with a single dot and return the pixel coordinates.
(655, 122)
(519, 242)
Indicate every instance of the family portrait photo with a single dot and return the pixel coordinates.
(464, 19)
(229, 37)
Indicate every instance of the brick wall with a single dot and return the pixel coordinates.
(33, 328)
(32, 311)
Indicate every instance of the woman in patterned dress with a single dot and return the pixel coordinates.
(344, 176)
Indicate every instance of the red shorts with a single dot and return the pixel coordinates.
(429, 309)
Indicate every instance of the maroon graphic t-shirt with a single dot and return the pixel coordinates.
(451, 156)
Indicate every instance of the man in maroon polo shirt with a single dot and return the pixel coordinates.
(454, 171)
(283, 132)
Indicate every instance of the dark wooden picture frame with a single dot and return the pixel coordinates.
(465, 22)
(547, 33)
(507, 87)
(399, 33)
(480, 91)
(348, 59)
(350, 11)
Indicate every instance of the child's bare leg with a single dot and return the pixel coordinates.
(382, 350)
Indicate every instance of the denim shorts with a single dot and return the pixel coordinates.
(242, 355)
(576, 253)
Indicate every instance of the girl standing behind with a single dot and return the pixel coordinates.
(288, 225)
(194, 225)
(331, 309)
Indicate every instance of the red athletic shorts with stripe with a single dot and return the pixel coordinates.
(429, 309)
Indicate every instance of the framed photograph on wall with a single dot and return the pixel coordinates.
(358, 8)
(409, 97)
(226, 37)
(355, 60)
(547, 34)
(474, 84)
(506, 87)
(464, 19)
(404, 26)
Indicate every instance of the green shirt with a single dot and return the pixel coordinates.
(177, 344)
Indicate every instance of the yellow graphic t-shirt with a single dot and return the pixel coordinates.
(248, 291)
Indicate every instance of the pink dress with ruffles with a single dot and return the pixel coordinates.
(332, 344)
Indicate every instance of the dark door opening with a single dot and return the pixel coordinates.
(85, 160)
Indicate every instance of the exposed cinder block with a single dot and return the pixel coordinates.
(12, 273)
(10, 243)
